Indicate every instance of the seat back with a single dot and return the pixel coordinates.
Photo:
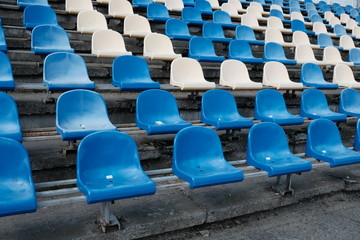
(299, 38)
(244, 33)
(324, 40)
(269, 103)
(356, 31)
(350, 24)
(346, 42)
(316, 18)
(258, 4)
(249, 20)
(311, 73)
(297, 16)
(26, 3)
(349, 100)
(343, 75)
(339, 30)
(156, 43)
(313, 101)
(354, 55)
(221, 17)
(76, 6)
(328, 15)
(175, 27)
(354, 13)
(200, 46)
(240, 49)
(275, 72)
(273, 35)
(334, 21)
(344, 18)
(276, 6)
(203, 5)
(191, 14)
(310, 6)
(254, 11)
(332, 54)
(276, 13)
(212, 30)
(3, 45)
(319, 27)
(236, 4)
(304, 53)
(274, 22)
(273, 50)
(136, 23)
(141, 3)
(294, 4)
(38, 15)
(6, 74)
(230, 9)
(233, 71)
(49, 36)
(9, 119)
(297, 25)
(186, 70)
(90, 20)
(157, 10)
(120, 8)
(174, 5)
(107, 40)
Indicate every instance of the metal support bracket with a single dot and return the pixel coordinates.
(107, 218)
(283, 188)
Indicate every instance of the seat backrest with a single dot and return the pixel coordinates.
(297, 25)
(276, 6)
(76, 6)
(6, 73)
(254, 11)
(313, 100)
(9, 118)
(108, 40)
(269, 102)
(277, 3)
(297, 16)
(218, 104)
(351, 23)
(294, 4)
(230, 9)
(38, 15)
(310, 6)
(312, 13)
(157, 10)
(349, 100)
(221, 17)
(324, 40)
(276, 13)
(120, 8)
(332, 54)
(343, 75)
(273, 50)
(186, 70)
(91, 19)
(316, 18)
(236, 3)
(328, 15)
(25, 3)
(319, 27)
(274, 22)
(233, 71)
(141, 3)
(311, 73)
(136, 23)
(304, 53)
(176, 27)
(249, 20)
(273, 35)
(294, 9)
(212, 30)
(191, 14)
(244, 33)
(354, 13)
(339, 30)
(49, 36)
(299, 38)
(339, 11)
(346, 42)
(356, 31)
(201, 46)
(354, 55)
(333, 21)
(240, 49)
(157, 43)
(203, 6)
(258, 4)
(174, 5)
(275, 72)
(344, 18)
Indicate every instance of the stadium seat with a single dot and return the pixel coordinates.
(297, 25)
(159, 46)
(356, 32)
(88, 21)
(214, 32)
(324, 143)
(47, 39)
(103, 1)
(177, 29)
(9, 119)
(344, 18)
(80, 113)
(354, 13)
(354, 56)
(348, 8)
(218, 109)
(324, 40)
(158, 113)
(276, 75)
(277, 5)
(350, 24)
(333, 56)
(120, 8)
(204, 6)
(304, 54)
(192, 16)
(231, 9)
(300, 38)
(189, 3)
(202, 49)
(275, 35)
(256, 12)
(357, 136)
(174, 5)
(319, 27)
(141, 3)
(344, 76)
(108, 168)
(237, 5)
(251, 21)
(297, 16)
(65, 71)
(246, 33)
(224, 19)
(328, 15)
(339, 11)
(187, 74)
(279, 14)
(6, 74)
(136, 26)
(17, 188)
(234, 74)
(25, 3)
(198, 159)
(157, 12)
(259, 5)
(39, 15)
(108, 43)
(311, 75)
(132, 73)
(241, 50)
(339, 30)
(275, 52)
(346, 42)
(316, 18)
(270, 107)
(76, 6)
(276, 23)
(268, 150)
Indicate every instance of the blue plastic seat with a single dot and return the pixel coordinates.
(278, 14)
(357, 136)
(157, 12)
(354, 13)
(325, 8)
(17, 189)
(298, 25)
(218, 109)
(241, 50)
(9, 118)
(47, 39)
(316, 18)
(314, 105)
(25, 3)
(270, 107)
(294, 4)
(275, 52)
(3, 46)
(357, 19)
(157, 113)
(246, 33)
(108, 168)
(141, 3)
(177, 29)
(214, 32)
(189, 3)
(268, 150)
(65, 71)
(324, 143)
(204, 7)
(224, 19)
(198, 159)
(350, 102)
(311, 75)
(6, 75)
(81, 112)
(335, 5)
(39, 15)
(340, 30)
(354, 56)
(339, 11)
(132, 73)
(202, 49)
(324, 40)
(348, 8)
(192, 16)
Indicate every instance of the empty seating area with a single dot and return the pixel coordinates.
(128, 98)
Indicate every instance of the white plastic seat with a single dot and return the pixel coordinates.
(333, 21)
(276, 23)
(108, 43)
(237, 4)
(276, 75)
(120, 8)
(350, 24)
(214, 4)
(251, 21)
(255, 11)
(356, 32)
(88, 21)
(231, 10)
(234, 74)
(344, 18)
(305, 54)
(344, 76)
(258, 6)
(274, 35)
(174, 5)
(300, 37)
(76, 6)
(103, 1)
(136, 26)
(346, 42)
(328, 15)
(332, 56)
(187, 74)
(319, 27)
(297, 15)
(159, 46)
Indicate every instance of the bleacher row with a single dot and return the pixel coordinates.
(197, 156)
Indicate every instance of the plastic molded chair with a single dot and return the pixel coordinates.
(174, 5)
(108, 43)
(218, 109)
(47, 39)
(276, 75)
(319, 27)
(136, 26)
(198, 159)
(224, 19)
(311, 75)
(9, 119)
(297, 16)
(268, 150)
(214, 32)
(81, 112)
(276, 23)
(132, 73)
(234, 74)
(6, 75)
(270, 107)
(241, 50)
(187, 74)
(300, 38)
(17, 189)
(354, 56)
(255, 11)
(346, 42)
(237, 5)
(275, 52)
(339, 30)
(333, 56)
(159, 46)
(141, 3)
(324, 143)
(328, 15)
(354, 13)
(356, 32)
(39, 15)
(305, 54)
(344, 18)
(157, 113)
(204, 6)
(279, 14)
(246, 33)
(275, 35)
(120, 8)
(76, 6)
(344, 76)
(157, 12)
(324, 40)
(65, 71)
(25, 3)
(297, 25)
(316, 18)
(349, 102)
(177, 29)
(88, 21)
(314, 105)
(3, 45)
(108, 168)
(202, 49)
(350, 24)
(251, 21)
(192, 16)
(231, 9)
